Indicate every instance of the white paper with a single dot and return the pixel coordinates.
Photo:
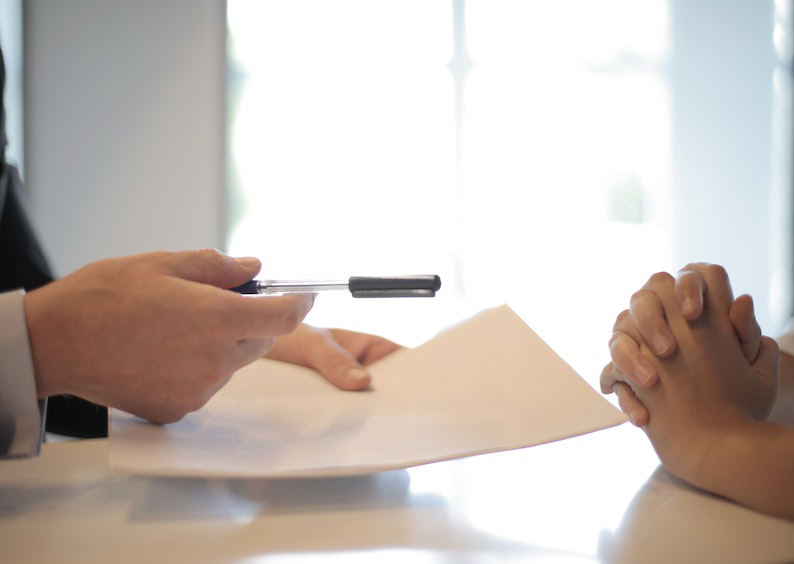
(486, 385)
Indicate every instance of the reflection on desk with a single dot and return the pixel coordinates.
(578, 500)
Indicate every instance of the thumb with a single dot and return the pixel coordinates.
(210, 266)
(742, 316)
(766, 368)
(766, 365)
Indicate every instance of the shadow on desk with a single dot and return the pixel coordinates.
(164, 499)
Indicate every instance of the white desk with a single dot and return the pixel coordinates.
(574, 501)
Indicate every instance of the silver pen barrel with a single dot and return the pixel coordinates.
(299, 286)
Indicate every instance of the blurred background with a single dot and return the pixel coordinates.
(547, 154)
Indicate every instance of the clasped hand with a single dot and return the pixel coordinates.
(689, 360)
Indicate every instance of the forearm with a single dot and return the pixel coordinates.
(752, 464)
(783, 410)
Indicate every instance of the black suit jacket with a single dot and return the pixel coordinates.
(24, 265)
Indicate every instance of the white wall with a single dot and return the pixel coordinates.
(124, 125)
(723, 116)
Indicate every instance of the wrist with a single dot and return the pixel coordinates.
(730, 461)
(46, 376)
(696, 451)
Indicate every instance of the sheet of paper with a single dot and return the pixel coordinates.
(488, 384)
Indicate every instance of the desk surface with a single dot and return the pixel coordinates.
(575, 501)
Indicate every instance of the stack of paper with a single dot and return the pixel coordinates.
(486, 385)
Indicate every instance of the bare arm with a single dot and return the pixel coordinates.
(753, 464)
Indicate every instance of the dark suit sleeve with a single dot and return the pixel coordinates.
(23, 264)
(22, 261)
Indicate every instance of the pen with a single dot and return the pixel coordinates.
(418, 286)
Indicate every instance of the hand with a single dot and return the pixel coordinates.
(630, 369)
(339, 355)
(155, 334)
(708, 386)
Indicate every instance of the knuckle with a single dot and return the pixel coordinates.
(643, 301)
(688, 272)
(659, 279)
(708, 270)
(639, 295)
(615, 339)
(771, 343)
(718, 271)
(214, 256)
(620, 320)
(290, 321)
(607, 378)
(623, 401)
(292, 314)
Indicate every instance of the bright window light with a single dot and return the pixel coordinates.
(521, 150)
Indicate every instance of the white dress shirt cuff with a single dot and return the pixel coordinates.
(21, 413)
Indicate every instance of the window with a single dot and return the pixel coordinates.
(11, 37)
(528, 152)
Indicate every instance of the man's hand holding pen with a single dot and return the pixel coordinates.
(158, 334)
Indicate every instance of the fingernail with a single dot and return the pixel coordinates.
(644, 374)
(248, 262)
(688, 306)
(661, 344)
(633, 418)
(357, 376)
